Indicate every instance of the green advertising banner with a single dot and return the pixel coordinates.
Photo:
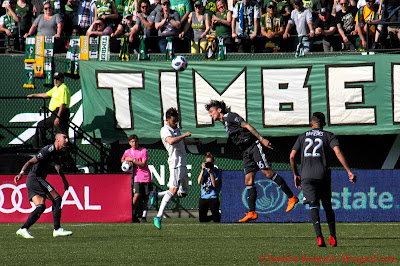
(360, 94)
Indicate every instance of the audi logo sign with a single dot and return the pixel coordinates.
(90, 198)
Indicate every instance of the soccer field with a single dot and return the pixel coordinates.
(187, 242)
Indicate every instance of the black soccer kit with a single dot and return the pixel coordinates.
(36, 181)
(254, 157)
(315, 171)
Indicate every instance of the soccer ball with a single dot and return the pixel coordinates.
(126, 167)
(179, 63)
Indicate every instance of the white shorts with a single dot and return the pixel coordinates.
(178, 178)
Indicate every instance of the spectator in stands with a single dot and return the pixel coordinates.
(83, 16)
(184, 8)
(325, 27)
(272, 27)
(99, 28)
(125, 27)
(107, 10)
(221, 22)
(9, 23)
(137, 157)
(155, 8)
(361, 3)
(302, 18)
(337, 7)
(92, 11)
(200, 23)
(47, 24)
(25, 10)
(59, 106)
(143, 26)
(364, 15)
(283, 8)
(313, 6)
(346, 26)
(210, 180)
(70, 17)
(245, 25)
(391, 9)
(168, 24)
(394, 36)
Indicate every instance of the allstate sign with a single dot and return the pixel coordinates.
(374, 198)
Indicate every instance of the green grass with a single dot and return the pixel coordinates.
(187, 242)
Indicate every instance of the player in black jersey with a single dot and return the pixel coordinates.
(315, 179)
(39, 189)
(253, 146)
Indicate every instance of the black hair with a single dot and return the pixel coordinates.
(318, 118)
(133, 136)
(171, 112)
(218, 104)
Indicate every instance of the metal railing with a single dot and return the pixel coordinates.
(99, 166)
(385, 25)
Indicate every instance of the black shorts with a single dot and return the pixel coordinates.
(142, 188)
(37, 186)
(315, 190)
(255, 158)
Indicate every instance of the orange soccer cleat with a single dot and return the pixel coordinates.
(291, 203)
(249, 217)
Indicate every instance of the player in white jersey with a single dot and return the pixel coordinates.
(173, 142)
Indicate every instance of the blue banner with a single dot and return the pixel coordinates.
(374, 198)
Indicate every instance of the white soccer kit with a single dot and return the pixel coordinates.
(176, 159)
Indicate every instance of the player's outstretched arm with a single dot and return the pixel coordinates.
(342, 160)
(253, 131)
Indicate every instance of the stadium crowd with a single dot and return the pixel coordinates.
(243, 26)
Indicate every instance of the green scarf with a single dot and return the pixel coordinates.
(124, 53)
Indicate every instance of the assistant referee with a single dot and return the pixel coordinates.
(59, 106)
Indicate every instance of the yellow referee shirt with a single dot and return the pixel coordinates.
(59, 95)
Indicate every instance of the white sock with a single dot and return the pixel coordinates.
(144, 215)
(167, 197)
(162, 194)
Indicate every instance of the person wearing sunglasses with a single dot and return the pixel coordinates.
(47, 24)
(345, 22)
(168, 23)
